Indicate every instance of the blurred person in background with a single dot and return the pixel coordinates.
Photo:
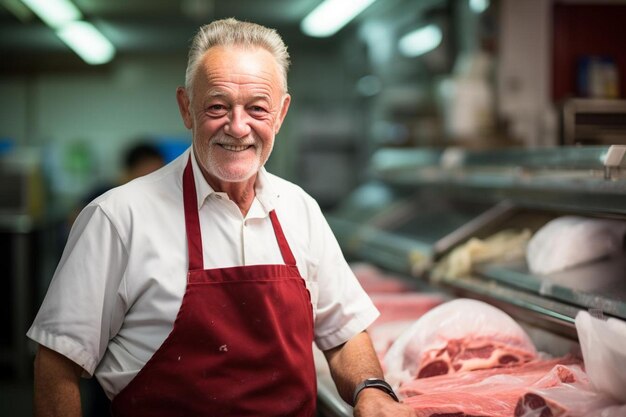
(199, 289)
(140, 159)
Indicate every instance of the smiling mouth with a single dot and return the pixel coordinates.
(235, 148)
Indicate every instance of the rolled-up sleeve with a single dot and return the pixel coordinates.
(77, 314)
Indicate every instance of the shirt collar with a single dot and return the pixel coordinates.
(263, 190)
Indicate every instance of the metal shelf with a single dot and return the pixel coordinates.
(580, 178)
(543, 312)
(444, 197)
(599, 285)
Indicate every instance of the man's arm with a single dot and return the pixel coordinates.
(57, 378)
(353, 362)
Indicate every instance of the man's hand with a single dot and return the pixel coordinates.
(373, 402)
(352, 363)
(57, 380)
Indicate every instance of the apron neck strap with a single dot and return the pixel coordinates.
(192, 225)
(192, 220)
(285, 250)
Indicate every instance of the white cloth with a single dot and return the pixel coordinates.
(120, 282)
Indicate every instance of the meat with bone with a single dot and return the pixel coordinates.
(508, 395)
(460, 335)
(486, 379)
(566, 395)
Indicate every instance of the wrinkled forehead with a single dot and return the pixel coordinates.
(239, 62)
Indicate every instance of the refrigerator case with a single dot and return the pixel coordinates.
(420, 205)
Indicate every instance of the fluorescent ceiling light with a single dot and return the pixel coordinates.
(479, 6)
(420, 41)
(331, 15)
(87, 42)
(54, 13)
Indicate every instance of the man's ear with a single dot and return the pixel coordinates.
(283, 112)
(184, 106)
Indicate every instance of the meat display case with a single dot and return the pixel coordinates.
(420, 204)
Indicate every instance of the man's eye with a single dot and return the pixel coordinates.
(257, 109)
(216, 110)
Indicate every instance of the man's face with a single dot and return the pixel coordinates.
(236, 109)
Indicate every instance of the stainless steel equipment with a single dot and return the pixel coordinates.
(421, 204)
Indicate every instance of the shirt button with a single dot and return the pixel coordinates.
(219, 197)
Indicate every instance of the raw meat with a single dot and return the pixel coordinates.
(374, 281)
(522, 375)
(574, 397)
(464, 404)
(403, 306)
(509, 395)
(459, 335)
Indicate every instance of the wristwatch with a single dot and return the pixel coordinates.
(374, 383)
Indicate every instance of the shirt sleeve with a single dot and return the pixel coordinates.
(343, 307)
(76, 316)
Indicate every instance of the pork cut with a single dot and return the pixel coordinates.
(568, 394)
(464, 404)
(512, 394)
(486, 379)
(459, 335)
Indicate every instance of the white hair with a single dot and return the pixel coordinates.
(234, 32)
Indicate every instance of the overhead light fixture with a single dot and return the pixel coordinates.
(82, 37)
(54, 13)
(420, 41)
(87, 42)
(478, 6)
(332, 15)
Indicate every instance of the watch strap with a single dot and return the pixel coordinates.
(374, 383)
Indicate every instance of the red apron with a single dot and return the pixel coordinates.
(241, 343)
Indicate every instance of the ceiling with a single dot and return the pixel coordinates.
(141, 27)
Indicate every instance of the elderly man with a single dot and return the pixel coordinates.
(199, 289)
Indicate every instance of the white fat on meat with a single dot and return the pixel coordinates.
(524, 391)
(565, 393)
(459, 335)
(487, 380)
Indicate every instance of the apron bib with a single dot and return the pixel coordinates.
(241, 343)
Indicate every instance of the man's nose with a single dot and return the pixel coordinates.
(237, 125)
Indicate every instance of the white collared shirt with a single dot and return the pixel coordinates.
(120, 282)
